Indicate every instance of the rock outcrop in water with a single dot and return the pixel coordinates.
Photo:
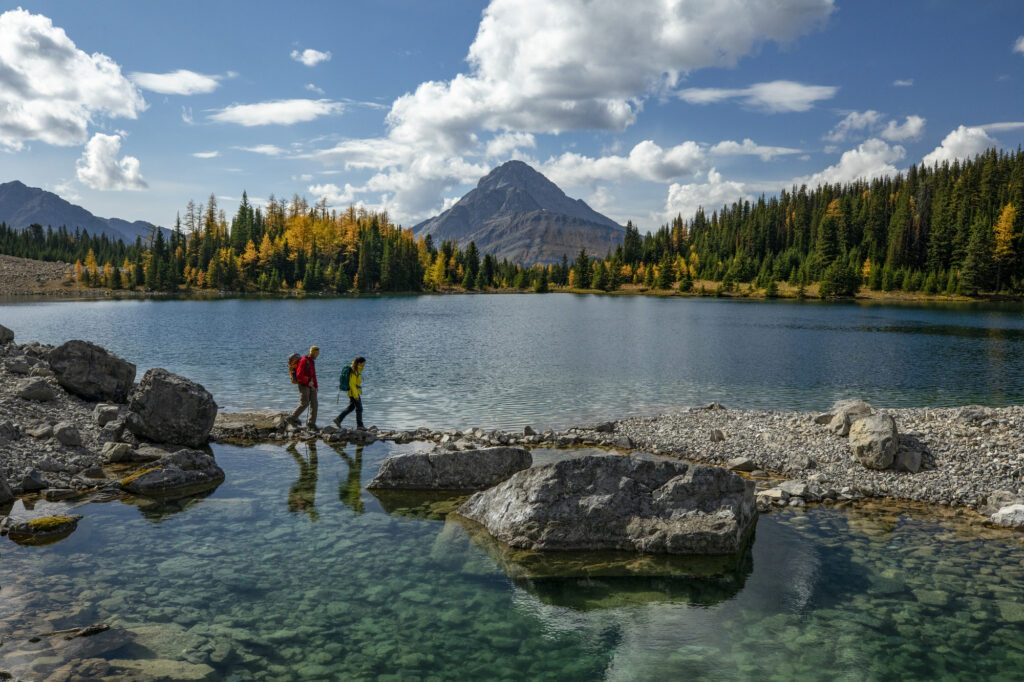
(181, 473)
(167, 408)
(451, 470)
(619, 503)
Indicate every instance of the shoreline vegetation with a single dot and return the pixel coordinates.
(946, 231)
(23, 277)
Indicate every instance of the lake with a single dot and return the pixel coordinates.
(504, 361)
(292, 570)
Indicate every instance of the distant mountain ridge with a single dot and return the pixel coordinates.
(21, 206)
(516, 213)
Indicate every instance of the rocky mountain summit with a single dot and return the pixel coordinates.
(21, 206)
(516, 213)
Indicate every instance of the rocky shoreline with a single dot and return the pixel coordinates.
(968, 457)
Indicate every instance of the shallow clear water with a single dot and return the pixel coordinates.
(290, 570)
(507, 360)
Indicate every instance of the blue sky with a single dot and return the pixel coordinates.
(643, 109)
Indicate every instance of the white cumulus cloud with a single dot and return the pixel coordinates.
(749, 147)
(313, 88)
(335, 195)
(50, 90)
(960, 144)
(265, 149)
(684, 200)
(1018, 45)
(871, 159)
(646, 161)
(279, 112)
(853, 122)
(180, 82)
(774, 96)
(311, 57)
(903, 83)
(504, 144)
(911, 129)
(100, 168)
(206, 155)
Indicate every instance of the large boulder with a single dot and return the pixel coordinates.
(184, 472)
(92, 372)
(6, 335)
(874, 440)
(842, 414)
(451, 470)
(1009, 517)
(5, 492)
(602, 502)
(167, 408)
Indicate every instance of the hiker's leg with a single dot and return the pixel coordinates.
(303, 401)
(347, 410)
(359, 411)
(312, 407)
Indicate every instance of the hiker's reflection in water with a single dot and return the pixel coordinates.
(302, 496)
(350, 490)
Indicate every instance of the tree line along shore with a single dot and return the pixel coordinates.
(945, 230)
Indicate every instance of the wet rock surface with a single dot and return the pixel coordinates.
(451, 470)
(181, 473)
(632, 503)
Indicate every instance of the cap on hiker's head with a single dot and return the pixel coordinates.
(314, 349)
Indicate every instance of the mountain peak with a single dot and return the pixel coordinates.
(515, 212)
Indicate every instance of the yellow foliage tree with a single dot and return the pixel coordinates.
(1002, 251)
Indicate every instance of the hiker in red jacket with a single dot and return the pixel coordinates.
(305, 375)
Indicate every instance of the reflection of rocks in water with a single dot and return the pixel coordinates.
(350, 491)
(430, 505)
(599, 580)
(302, 495)
(157, 509)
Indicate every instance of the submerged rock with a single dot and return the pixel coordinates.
(167, 408)
(92, 372)
(43, 531)
(619, 503)
(182, 473)
(451, 470)
(874, 441)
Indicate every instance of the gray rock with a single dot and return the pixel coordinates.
(874, 440)
(604, 427)
(999, 499)
(713, 406)
(112, 430)
(794, 488)
(907, 459)
(5, 492)
(740, 464)
(800, 461)
(116, 452)
(184, 472)
(33, 480)
(974, 414)
(39, 531)
(167, 408)
(1009, 517)
(854, 409)
(615, 502)
(17, 365)
(840, 424)
(35, 389)
(717, 436)
(104, 413)
(92, 372)
(41, 431)
(528, 431)
(40, 371)
(455, 470)
(67, 434)
(6, 335)
(9, 431)
(623, 442)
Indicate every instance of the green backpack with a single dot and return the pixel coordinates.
(343, 379)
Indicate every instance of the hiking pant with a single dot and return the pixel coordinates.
(307, 398)
(357, 405)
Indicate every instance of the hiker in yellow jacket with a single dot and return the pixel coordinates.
(355, 392)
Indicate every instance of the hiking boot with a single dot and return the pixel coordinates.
(293, 421)
(337, 422)
(312, 427)
(360, 427)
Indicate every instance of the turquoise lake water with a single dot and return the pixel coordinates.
(291, 570)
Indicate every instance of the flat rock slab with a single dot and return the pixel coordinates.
(451, 470)
(182, 473)
(602, 502)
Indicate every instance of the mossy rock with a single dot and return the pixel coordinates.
(44, 530)
(141, 472)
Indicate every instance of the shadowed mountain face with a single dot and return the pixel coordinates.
(517, 213)
(20, 206)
